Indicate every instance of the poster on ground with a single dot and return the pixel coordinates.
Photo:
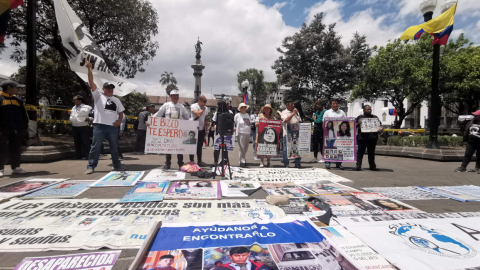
(260, 246)
(385, 203)
(405, 215)
(450, 194)
(83, 261)
(146, 192)
(119, 179)
(339, 139)
(349, 205)
(159, 175)
(370, 125)
(228, 140)
(25, 186)
(65, 189)
(197, 190)
(268, 137)
(171, 136)
(326, 188)
(468, 190)
(427, 244)
(298, 140)
(287, 175)
(238, 189)
(404, 193)
(289, 189)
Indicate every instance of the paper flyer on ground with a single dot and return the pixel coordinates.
(268, 137)
(349, 205)
(238, 189)
(339, 139)
(83, 261)
(171, 136)
(298, 140)
(159, 175)
(65, 189)
(203, 189)
(450, 194)
(385, 203)
(404, 193)
(287, 175)
(25, 186)
(119, 179)
(404, 215)
(260, 246)
(427, 244)
(146, 192)
(468, 190)
(326, 188)
(289, 189)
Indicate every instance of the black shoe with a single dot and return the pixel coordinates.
(202, 164)
(358, 168)
(374, 169)
(340, 167)
(166, 167)
(460, 169)
(298, 166)
(327, 167)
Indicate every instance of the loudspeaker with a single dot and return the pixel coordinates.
(225, 124)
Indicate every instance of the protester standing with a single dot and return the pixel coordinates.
(367, 140)
(142, 128)
(173, 110)
(211, 132)
(472, 137)
(199, 112)
(289, 116)
(253, 120)
(268, 115)
(80, 127)
(242, 131)
(108, 117)
(334, 112)
(13, 125)
(317, 119)
(121, 129)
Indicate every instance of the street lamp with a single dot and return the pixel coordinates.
(427, 7)
(245, 85)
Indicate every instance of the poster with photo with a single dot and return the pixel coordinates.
(25, 186)
(197, 190)
(84, 223)
(349, 205)
(65, 189)
(450, 194)
(370, 125)
(404, 193)
(171, 136)
(238, 189)
(228, 140)
(287, 175)
(326, 188)
(146, 192)
(159, 175)
(83, 261)
(385, 203)
(119, 179)
(268, 137)
(298, 207)
(298, 140)
(289, 189)
(339, 139)
(404, 215)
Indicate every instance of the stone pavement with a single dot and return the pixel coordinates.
(394, 171)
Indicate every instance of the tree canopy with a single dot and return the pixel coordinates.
(134, 102)
(257, 86)
(169, 80)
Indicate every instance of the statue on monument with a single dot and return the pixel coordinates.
(198, 48)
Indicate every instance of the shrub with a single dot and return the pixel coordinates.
(421, 141)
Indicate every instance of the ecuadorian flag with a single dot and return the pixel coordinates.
(440, 28)
(5, 7)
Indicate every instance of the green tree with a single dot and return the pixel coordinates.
(169, 80)
(134, 102)
(257, 86)
(398, 71)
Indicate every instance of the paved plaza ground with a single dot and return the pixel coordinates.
(393, 172)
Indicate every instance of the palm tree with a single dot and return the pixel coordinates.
(168, 79)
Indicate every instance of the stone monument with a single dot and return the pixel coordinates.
(197, 70)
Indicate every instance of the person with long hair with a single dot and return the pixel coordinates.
(331, 135)
(268, 135)
(472, 138)
(344, 129)
(333, 112)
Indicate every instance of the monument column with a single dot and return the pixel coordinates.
(197, 70)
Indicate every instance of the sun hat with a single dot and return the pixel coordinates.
(243, 105)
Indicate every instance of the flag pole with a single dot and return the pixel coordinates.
(74, 32)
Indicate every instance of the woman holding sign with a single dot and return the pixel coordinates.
(268, 135)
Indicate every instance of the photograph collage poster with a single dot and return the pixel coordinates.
(171, 136)
(268, 137)
(298, 140)
(339, 139)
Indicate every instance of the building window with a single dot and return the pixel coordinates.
(385, 103)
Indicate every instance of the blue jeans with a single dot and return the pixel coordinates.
(285, 155)
(254, 136)
(330, 144)
(101, 132)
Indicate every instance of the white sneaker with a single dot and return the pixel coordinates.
(321, 161)
(1, 173)
(314, 160)
(19, 171)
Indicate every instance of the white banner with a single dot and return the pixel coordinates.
(70, 24)
(412, 244)
(85, 261)
(287, 175)
(171, 136)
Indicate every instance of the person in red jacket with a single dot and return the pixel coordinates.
(239, 257)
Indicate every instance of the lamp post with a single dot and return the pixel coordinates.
(245, 85)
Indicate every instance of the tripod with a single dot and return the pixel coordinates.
(223, 149)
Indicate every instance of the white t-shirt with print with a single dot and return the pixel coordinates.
(106, 108)
(173, 111)
(242, 123)
(201, 119)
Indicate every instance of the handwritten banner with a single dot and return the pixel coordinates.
(171, 136)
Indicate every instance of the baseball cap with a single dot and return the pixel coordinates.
(476, 113)
(108, 85)
(174, 92)
(9, 83)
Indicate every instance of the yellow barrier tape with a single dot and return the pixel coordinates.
(406, 130)
(131, 117)
(68, 122)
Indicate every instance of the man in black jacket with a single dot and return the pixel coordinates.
(13, 125)
(367, 140)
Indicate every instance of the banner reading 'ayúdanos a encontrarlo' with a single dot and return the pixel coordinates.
(171, 136)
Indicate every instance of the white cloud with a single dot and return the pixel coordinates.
(279, 5)
(478, 24)
(464, 8)
(362, 22)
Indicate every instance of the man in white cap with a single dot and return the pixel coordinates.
(173, 110)
(107, 118)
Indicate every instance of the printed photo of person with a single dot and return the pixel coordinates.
(181, 186)
(24, 186)
(335, 157)
(87, 222)
(189, 137)
(330, 135)
(65, 185)
(388, 204)
(327, 151)
(344, 129)
(150, 187)
(204, 184)
(243, 258)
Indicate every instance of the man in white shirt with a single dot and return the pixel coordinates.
(199, 112)
(253, 119)
(289, 116)
(173, 110)
(80, 128)
(108, 117)
(333, 112)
